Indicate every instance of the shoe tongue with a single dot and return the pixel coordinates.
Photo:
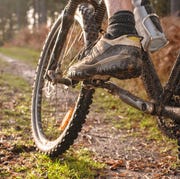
(134, 38)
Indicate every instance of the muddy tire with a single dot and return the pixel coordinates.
(58, 111)
(169, 126)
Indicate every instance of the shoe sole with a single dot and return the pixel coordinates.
(116, 66)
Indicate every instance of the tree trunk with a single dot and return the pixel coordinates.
(175, 7)
(40, 12)
(36, 12)
(43, 12)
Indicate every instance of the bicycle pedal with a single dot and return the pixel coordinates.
(51, 75)
(93, 83)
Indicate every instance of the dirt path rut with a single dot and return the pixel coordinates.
(126, 155)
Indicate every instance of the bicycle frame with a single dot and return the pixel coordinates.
(159, 95)
(52, 72)
(152, 83)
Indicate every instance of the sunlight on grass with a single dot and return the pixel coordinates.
(73, 164)
(14, 82)
(125, 117)
(15, 99)
(15, 131)
(27, 55)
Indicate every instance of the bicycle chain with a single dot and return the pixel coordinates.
(169, 126)
(177, 100)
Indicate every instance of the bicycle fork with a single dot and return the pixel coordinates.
(67, 17)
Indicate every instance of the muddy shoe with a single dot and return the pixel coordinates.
(120, 57)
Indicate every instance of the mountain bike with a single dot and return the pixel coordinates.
(60, 105)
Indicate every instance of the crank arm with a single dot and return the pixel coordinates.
(125, 96)
(171, 112)
(138, 103)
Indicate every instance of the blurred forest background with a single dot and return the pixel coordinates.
(26, 24)
(19, 14)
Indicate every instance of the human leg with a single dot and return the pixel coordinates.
(118, 52)
(114, 6)
(120, 18)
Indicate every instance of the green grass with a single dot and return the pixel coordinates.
(27, 55)
(125, 117)
(136, 123)
(16, 82)
(73, 164)
(15, 96)
(15, 99)
(117, 111)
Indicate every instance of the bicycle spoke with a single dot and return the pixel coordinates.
(56, 108)
(73, 43)
(69, 39)
(70, 44)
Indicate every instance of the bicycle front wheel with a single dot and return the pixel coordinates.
(58, 111)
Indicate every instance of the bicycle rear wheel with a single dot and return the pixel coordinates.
(58, 111)
(168, 125)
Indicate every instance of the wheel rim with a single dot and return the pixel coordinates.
(54, 104)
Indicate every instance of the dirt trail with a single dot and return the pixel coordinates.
(19, 68)
(126, 156)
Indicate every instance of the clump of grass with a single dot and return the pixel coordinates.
(73, 164)
(22, 159)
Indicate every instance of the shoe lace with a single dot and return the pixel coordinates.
(91, 50)
(81, 54)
